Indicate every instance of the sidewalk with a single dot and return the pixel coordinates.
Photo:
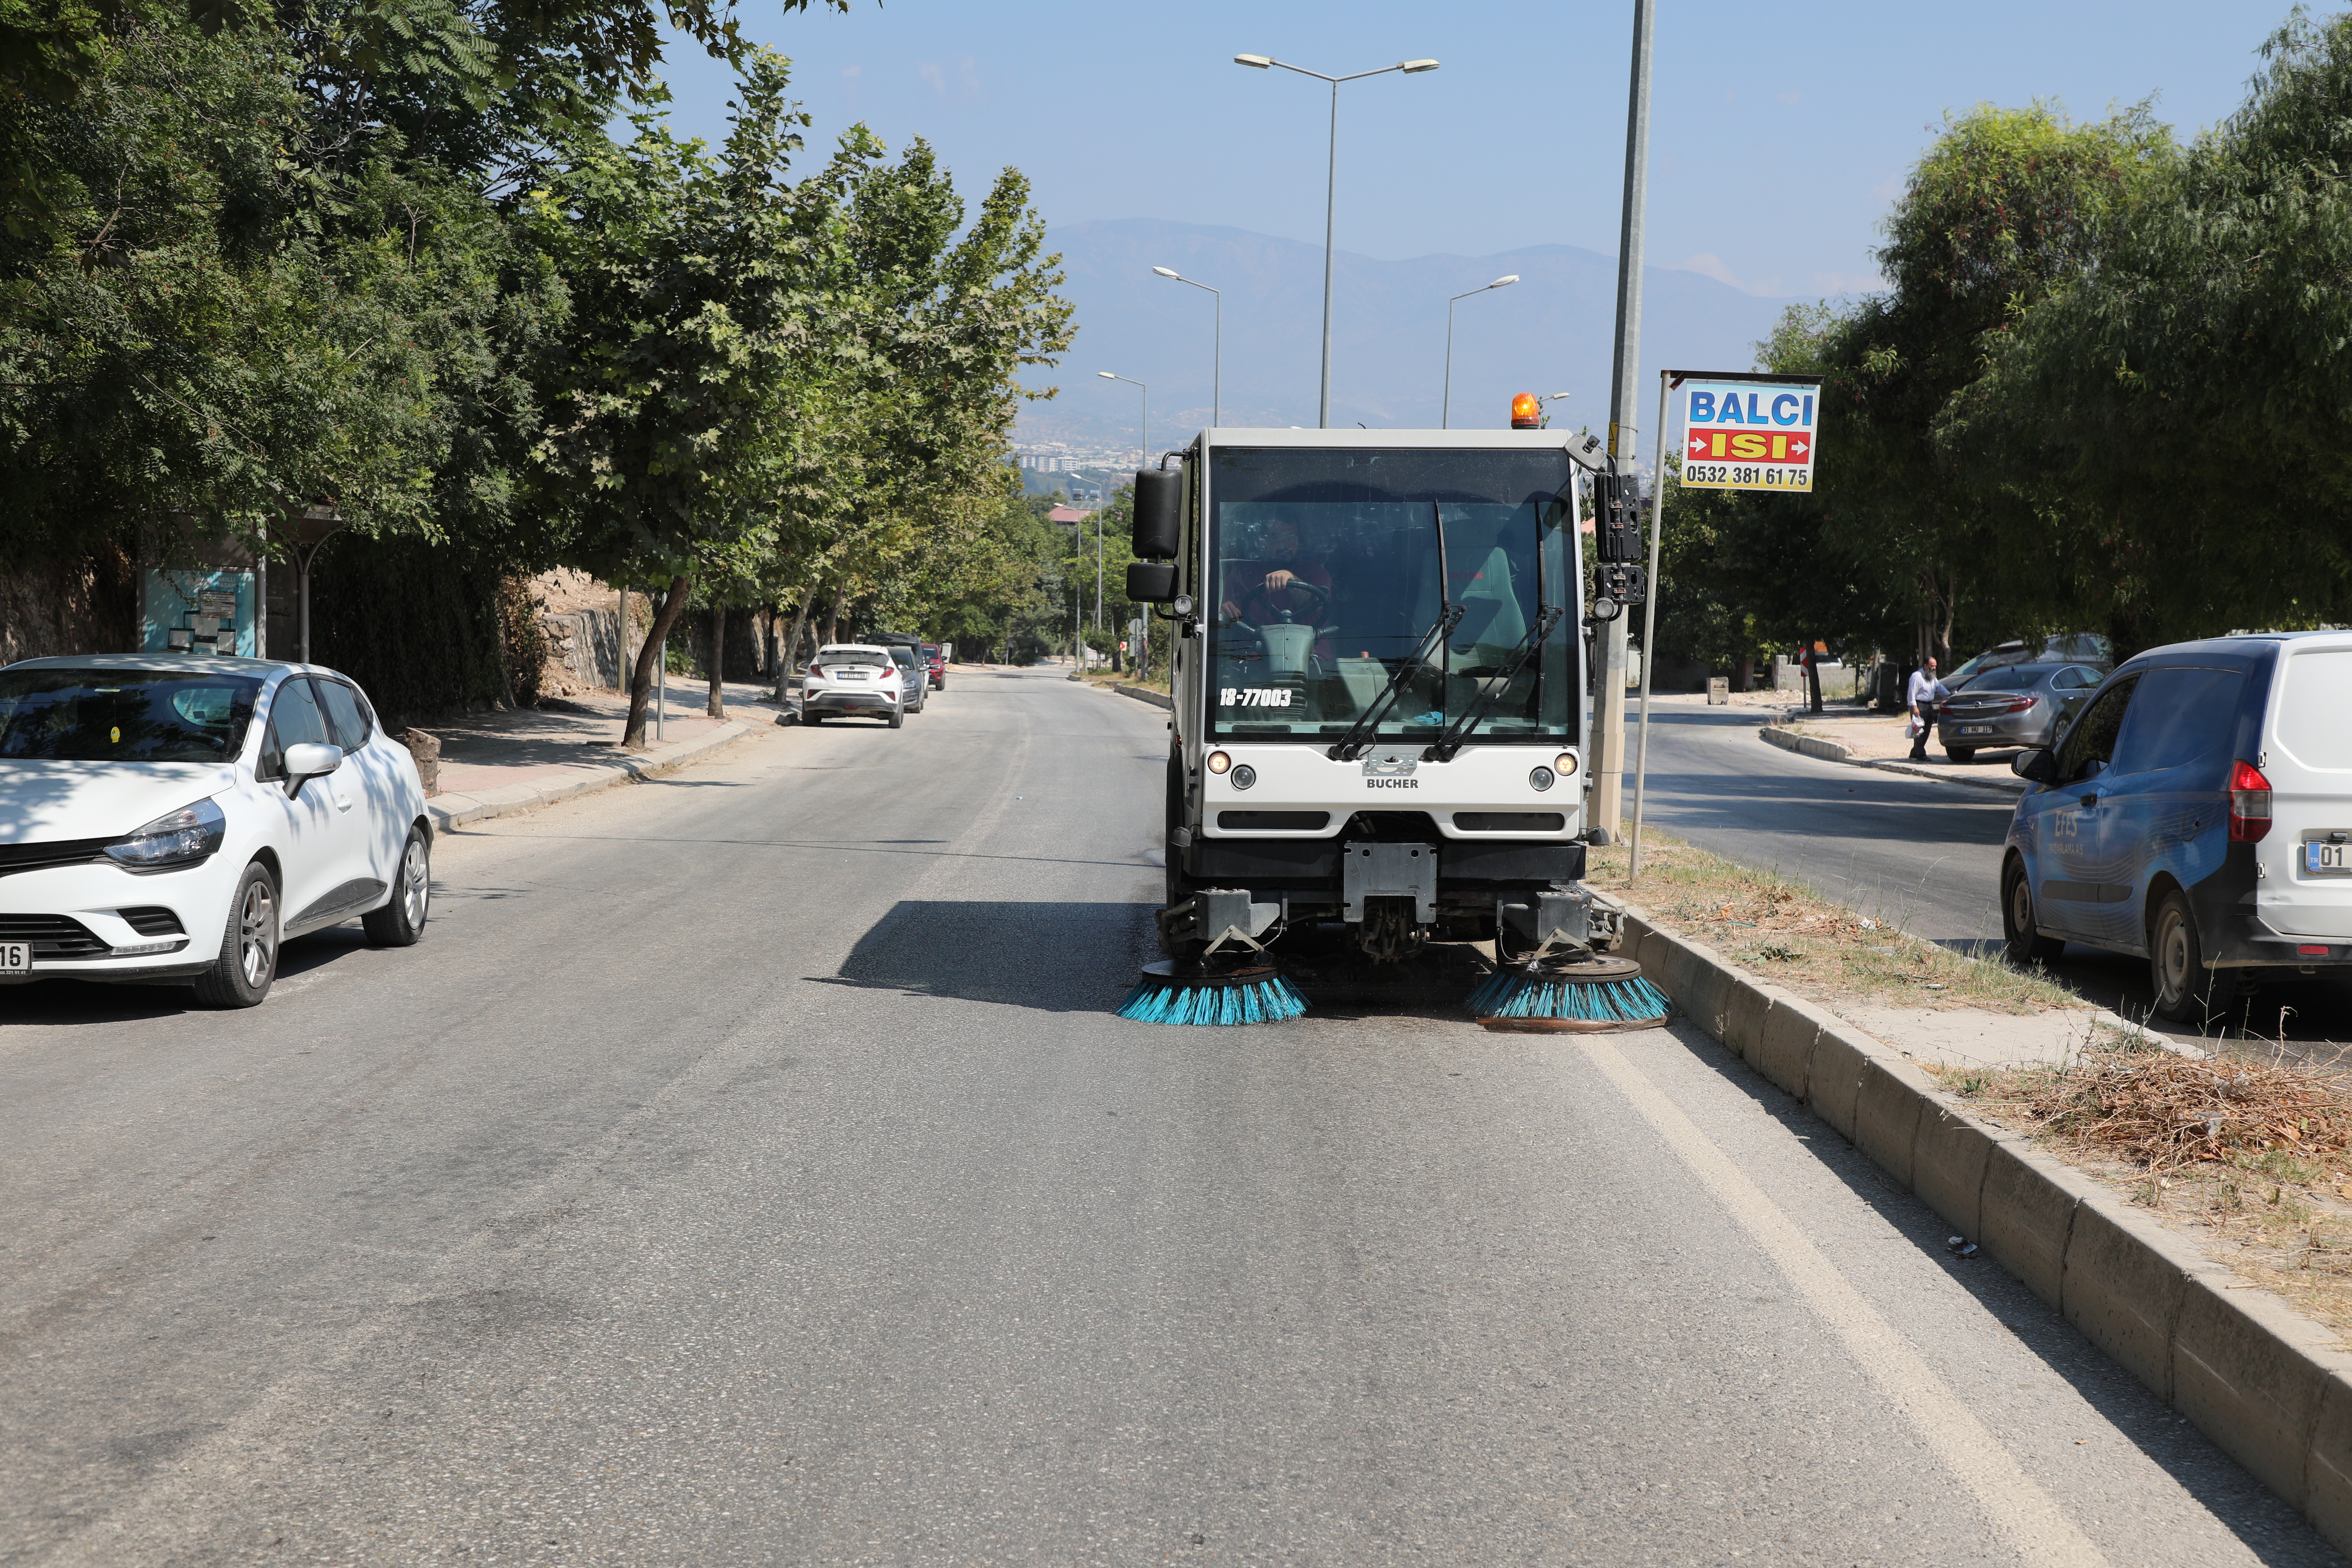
(1846, 733)
(495, 764)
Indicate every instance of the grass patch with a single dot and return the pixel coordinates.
(1819, 948)
(2252, 1154)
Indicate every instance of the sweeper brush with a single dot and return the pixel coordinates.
(1583, 992)
(1211, 990)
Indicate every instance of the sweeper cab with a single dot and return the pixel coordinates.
(1380, 716)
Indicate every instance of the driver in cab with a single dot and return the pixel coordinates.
(1258, 598)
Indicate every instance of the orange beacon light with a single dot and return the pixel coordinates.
(1526, 413)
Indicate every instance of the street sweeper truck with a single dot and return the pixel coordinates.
(1380, 719)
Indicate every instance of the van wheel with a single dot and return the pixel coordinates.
(1961, 753)
(240, 976)
(2027, 945)
(2187, 990)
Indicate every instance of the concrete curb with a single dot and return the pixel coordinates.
(1144, 694)
(2266, 1384)
(1830, 751)
(452, 809)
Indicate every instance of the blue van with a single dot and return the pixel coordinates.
(2197, 813)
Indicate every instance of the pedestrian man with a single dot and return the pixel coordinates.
(1926, 692)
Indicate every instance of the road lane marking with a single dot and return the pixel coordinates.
(2019, 1509)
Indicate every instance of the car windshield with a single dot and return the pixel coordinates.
(124, 715)
(1328, 577)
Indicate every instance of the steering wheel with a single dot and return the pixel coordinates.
(1322, 598)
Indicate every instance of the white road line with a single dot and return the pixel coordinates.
(2019, 1509)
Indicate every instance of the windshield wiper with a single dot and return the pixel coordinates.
(1457, 733)
(1350, 745)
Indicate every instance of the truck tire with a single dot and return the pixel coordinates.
(1180, 887)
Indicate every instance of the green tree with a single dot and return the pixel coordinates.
(2181, 410)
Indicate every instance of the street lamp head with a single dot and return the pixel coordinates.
(1168, 272)
(1505, 281)
(1260, 62)
(1107, 375)
(1415, 68)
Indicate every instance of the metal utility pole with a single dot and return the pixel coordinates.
(1609, 677)
(1331, 188)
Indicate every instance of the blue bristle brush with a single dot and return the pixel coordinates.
(1199, 992)
(1600, 991)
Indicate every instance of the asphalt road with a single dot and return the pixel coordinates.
(1924, 854)
(747, 1169)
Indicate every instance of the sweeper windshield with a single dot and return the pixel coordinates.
(1333, 569)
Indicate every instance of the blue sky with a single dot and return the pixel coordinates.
(1780, 133)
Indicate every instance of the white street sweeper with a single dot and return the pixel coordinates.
(1379, 711)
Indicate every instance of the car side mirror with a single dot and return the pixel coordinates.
(1150, 582)
(2039, 765)
(1158, 512)
(310, 760)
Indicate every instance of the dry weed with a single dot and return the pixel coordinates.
(1819, 949)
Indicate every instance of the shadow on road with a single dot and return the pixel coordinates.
(1049, 957)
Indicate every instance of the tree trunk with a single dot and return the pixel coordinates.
(717, 708)
(792, 652)
(1813, 676)
(832, 621)
(641, 679)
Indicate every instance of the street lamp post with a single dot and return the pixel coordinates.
(1217, 348)
(1130, 380)
(1445, 419)
(1332, 187)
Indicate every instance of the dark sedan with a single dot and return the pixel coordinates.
(2014, 705)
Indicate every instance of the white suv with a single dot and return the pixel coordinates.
(847, 680)
(175, 817)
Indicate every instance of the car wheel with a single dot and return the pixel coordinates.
(2188, 989)
(2027, 945)
(240, 975)
(402, 920)
(896, 718)
(1961, 753)
(807, 718)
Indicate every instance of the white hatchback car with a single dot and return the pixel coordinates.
(175, 818)
(853, 678)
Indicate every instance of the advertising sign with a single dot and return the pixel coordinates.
(1749, 433)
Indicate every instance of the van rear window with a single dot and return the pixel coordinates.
(2316, 694)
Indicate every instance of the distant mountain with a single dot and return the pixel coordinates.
(1551, 332)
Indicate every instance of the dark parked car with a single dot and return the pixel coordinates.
(911, 673)
(937, 661)
(2012, 705)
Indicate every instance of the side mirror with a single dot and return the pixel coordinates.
(310, 760)
(2039, 765)
(1158, 512)
(1149, 582)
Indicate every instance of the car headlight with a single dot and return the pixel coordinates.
(187, 837)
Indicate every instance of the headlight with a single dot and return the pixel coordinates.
(1564, 765)
(1219, 761)
(187, 837)
(1245, 776)
(1541, 778)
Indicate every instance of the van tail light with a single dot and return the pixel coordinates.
(2250, 804)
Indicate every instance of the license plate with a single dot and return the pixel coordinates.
(1975, 729)
(2327, 859)
(16, 958)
